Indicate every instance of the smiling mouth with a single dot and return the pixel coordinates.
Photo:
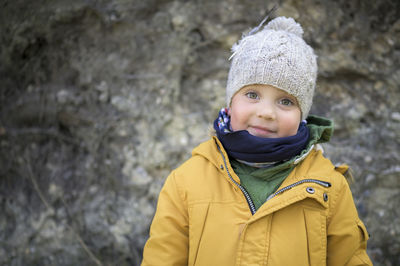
(261, 131)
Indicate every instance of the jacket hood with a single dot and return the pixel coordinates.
(211, 150)
(321, 129)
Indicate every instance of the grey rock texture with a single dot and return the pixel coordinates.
(99, 100)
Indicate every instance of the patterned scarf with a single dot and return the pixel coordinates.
(258, 151)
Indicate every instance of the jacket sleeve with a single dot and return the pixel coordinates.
(168, 241)
(347, 235)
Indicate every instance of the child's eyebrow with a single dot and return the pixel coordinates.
(250, 89)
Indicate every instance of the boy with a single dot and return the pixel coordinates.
(261, 192)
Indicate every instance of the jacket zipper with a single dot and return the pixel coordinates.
(245, 193)
(250, 201)
(315, 181)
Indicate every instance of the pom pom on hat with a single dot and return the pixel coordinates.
(285, 24)
(277, 55)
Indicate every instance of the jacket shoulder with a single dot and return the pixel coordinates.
(203, 156)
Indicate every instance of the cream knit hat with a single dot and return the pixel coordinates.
(277, 55)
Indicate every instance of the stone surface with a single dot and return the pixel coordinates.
(99, 100)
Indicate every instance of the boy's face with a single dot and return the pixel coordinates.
(265, 111)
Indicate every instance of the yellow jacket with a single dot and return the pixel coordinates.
(203, 217)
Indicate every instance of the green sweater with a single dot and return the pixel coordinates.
(262, 182)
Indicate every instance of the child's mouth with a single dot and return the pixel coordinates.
(261, 132)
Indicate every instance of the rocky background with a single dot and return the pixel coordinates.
(99, 100)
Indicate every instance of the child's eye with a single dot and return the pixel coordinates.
(286, 102)
(252, 95)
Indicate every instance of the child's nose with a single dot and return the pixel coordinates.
(266, 111)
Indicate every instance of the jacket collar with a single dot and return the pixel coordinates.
(315, 166)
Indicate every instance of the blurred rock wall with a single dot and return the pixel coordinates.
(99, 100)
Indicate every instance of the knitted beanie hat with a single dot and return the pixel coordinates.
(277, 55)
